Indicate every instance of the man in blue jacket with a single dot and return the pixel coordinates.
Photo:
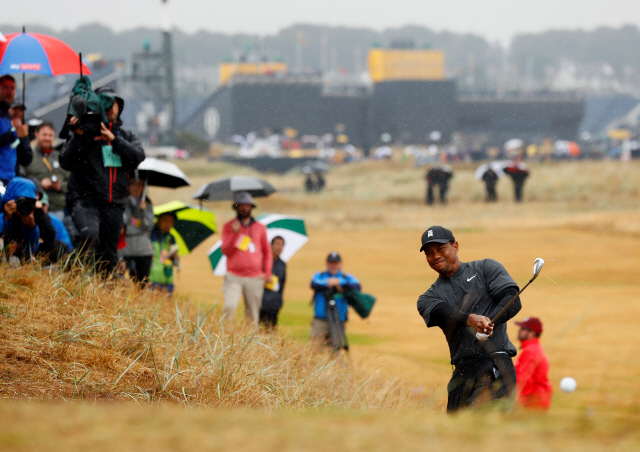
(14, 134)
(331, 281)
(17, 223)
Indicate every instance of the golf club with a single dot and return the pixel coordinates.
(537, 267)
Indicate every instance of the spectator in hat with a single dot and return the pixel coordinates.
(138, 221)
(532, 367)
(330, 281)
(249, 260)
(14, 133)
(45, 167)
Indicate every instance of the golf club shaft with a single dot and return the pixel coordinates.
(512, 300)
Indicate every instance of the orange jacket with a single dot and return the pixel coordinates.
(532, 368)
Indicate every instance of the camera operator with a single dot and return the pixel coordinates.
(99, 169)
(18, 227)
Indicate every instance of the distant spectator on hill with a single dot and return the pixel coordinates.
(438, 176)
(490, 179)
(249, 260)
(272, 299)
(45, 167)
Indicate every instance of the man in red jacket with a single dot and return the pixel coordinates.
(249, 260)
(532, 367)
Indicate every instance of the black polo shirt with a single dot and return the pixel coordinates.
(473, 289)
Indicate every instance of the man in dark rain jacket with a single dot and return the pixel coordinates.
(462, 302)
(98, 184)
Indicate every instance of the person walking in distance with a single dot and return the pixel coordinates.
(274, 292)
(461, 302)
(490, 178)
(532, 367)
(249, 260)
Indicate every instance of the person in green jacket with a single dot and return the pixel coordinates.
(165, 254)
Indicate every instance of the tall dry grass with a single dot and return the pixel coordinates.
(71, 336)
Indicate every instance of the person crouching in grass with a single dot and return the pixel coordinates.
(165, 254)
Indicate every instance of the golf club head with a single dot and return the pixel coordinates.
(537, 266)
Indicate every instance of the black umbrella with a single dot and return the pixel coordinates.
(225, 189)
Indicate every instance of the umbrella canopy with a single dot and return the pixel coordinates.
(193, 226)
(2, 38)
(315, 166)
(497, 166)
(514, 143)
(291, 229)
(160, 173)
(38, 54)
(224, 189)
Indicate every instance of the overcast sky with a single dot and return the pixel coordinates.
(496, 20)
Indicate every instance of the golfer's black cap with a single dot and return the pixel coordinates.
(334, 257)
(436, 234)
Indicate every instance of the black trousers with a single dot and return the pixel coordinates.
(491, 192)
(139, 267)
(269, 317)
(493, 377)
(99, 227)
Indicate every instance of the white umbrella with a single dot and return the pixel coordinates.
(291, 229)
(497, 166)
(161, 173)
(513, 143)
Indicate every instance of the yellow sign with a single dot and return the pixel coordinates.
(619, 134)
(228, 70)
(406, 64)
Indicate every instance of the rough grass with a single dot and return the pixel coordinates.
(66, 336)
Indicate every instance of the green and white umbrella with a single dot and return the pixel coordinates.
(291, 229)
(193, 226)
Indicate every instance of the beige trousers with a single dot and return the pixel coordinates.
(235, 287)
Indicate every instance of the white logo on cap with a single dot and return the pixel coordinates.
(429, 233)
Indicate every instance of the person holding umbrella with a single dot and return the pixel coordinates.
(138, 220)
(518, 172)
(100, 167)
(14, 134)
(249, 260)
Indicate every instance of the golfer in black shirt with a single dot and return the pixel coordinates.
(462, 302)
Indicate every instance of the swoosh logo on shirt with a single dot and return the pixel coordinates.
(469, 279)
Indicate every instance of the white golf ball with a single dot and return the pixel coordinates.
(568, 384)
